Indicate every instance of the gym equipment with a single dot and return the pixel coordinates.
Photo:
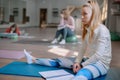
(9, 35)
(71, 39)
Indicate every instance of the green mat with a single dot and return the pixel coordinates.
(114, 36)
(9, 35)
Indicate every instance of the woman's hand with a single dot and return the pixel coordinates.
(76, 67)
(62, 16)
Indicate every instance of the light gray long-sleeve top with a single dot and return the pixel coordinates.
(99, 49)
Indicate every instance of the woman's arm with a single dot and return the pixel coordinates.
(70, 9)
(103, 44)
(81, 52)
(17, 31)
(61, 22)
(8, 30)
(77, 66)
(71, 23)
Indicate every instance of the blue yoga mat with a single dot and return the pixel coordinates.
(24, 69)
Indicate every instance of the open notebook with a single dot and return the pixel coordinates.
(56, 75)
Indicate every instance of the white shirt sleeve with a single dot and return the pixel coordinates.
(102, 47)
(81, 52)
(98, 54)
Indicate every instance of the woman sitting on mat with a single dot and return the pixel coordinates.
(65, 28)
(13, 29)
(95, 41)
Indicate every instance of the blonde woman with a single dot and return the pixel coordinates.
(65, 28)
(96, 41)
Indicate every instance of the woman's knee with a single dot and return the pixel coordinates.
(92, 71)
(84, 73)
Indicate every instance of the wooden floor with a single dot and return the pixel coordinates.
(43, 49)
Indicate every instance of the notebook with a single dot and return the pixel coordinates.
(56, 75)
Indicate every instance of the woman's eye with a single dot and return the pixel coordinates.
(84, 14)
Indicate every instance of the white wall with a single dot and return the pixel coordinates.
(31, 12)
(5, 6)
(113, 21)
(118, 25)
(9, 5)
(33, 9)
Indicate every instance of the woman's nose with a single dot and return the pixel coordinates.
(82, 17)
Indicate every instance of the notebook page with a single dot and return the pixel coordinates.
(66, 77)
(54, 73)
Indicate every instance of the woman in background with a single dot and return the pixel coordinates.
(13, 29)
(65, 28)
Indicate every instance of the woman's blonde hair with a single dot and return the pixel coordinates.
(95, 18)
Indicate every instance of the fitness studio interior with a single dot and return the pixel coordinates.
(50, 35)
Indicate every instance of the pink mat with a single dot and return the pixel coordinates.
(11, 54)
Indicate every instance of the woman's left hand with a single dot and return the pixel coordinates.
(76, 67)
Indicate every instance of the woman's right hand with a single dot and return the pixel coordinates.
(62, 16)
(76, 67)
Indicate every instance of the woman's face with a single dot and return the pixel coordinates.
(86, 15)
(66, 15)
(13, 28)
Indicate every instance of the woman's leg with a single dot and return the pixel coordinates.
(58, 33)
(29, 57)
(91, 71)
(46, 62)
(64, 34)
(67, 32)
(41, 61)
